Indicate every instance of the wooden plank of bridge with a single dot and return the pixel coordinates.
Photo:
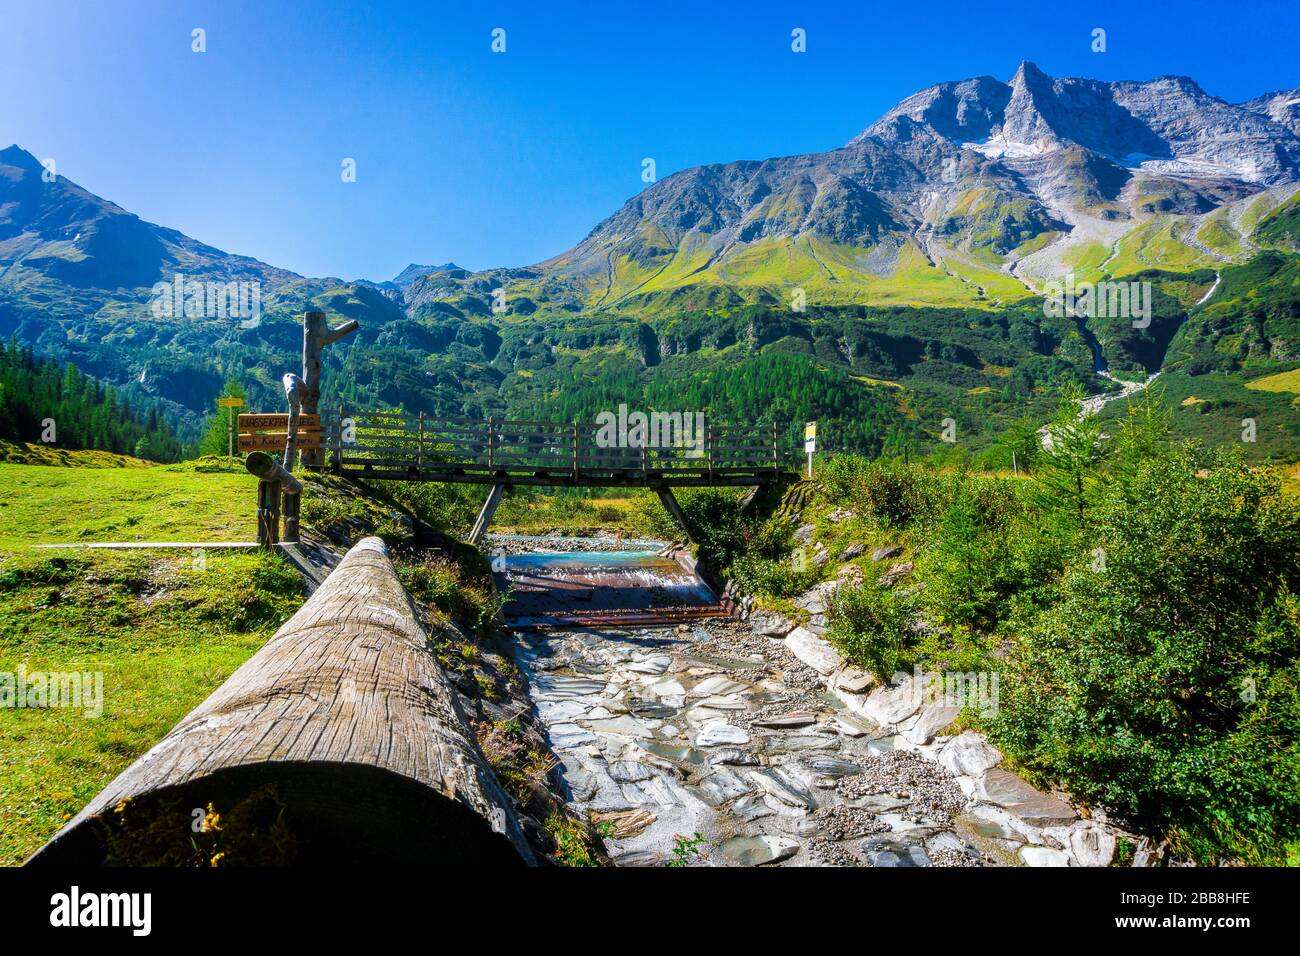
(346, 713)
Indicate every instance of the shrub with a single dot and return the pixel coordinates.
(1163, 682)
(765, 577)
(869, 625)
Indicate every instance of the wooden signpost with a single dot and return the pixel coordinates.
(230, 403)
(271, 432)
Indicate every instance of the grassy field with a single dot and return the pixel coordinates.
(186, 502)
(164, 628)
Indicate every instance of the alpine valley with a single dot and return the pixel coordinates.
(880, 287)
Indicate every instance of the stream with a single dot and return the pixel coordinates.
(686, 737)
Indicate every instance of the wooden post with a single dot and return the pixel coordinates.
(577, 438)
(316, 334)
(268, 513)
(347, 721)
(293, 394)
(275, 480)
(419, 446)
(776, 447)
(492, 440)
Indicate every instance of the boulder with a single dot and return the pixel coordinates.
(1092, 845)
(969, 754)
(758, 850)
(812, 650)
(893, 704)
(854, 680)
(1020, 798)
(932, 719)
(769, 624)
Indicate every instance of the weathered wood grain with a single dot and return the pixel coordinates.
(346, 712)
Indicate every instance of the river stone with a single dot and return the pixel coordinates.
(797, 742)
(767, 624)
(1033, 806)
(894, 854)
(931, 720)
(566, 736)
(1092, 845)
(970, 754)
(889, 551)
(721, 786)
(667, 688)
(831, 767)
(718, 685)
(854, 680)
(559, 686)
(812, 650)
(758, 850)
(724, 703)
(627, 771)
(721, 733)
(793, 719)
(783, 788)
(560, 711)
(734, 756)
(892, 705)
(624, 726)
(651, 665)
(1043, 856)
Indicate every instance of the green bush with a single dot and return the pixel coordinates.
(869, 626)
(1162, 682)
(765, 577)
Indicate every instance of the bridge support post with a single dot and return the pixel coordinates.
(673, 508)
(485, 516)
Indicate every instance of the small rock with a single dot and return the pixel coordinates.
(803, 534)
(854, 680)
(896, 573)
(790, 720)
(783, 788)
(768, 624)
(889, 551)
(852, 551)
(758, 850)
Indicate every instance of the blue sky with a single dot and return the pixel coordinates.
(505, 159)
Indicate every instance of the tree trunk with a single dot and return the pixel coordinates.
(347, 717)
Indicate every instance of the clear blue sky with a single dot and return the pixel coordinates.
(505, 159)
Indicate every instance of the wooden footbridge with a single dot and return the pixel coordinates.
(658, 450)
(498, 451)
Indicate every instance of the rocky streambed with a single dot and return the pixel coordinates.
(719, 742)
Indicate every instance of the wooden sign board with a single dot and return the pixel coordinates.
(271, 441)
(270, 432)
(257, 423)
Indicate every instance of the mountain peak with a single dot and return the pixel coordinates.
(15, 155)
(1028, 72)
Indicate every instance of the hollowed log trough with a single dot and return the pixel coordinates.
(346, 714)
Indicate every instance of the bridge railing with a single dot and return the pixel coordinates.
(663, 445)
